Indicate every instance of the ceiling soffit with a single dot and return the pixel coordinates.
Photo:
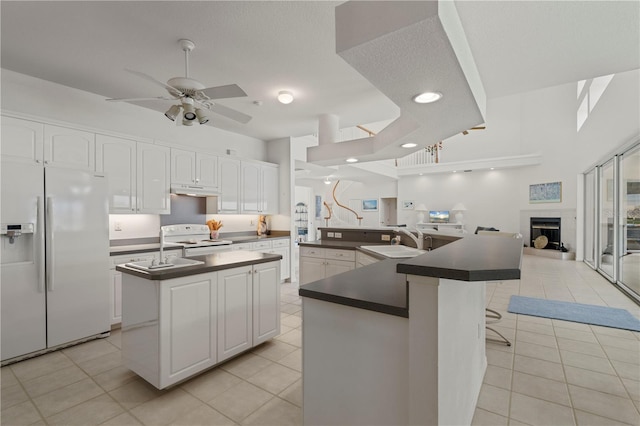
(403, 49)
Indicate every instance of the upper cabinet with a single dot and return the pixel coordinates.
(69, 148)
(194, 169)
(21, 140)
(259, 188)
(229, 184)
(116, 158)
(153, 166)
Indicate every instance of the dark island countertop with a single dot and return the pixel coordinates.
(345, 245)
(381, 287)
(376, 287)
(212, 262)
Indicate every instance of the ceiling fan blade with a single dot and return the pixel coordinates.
(224, 92)
(172, 90)
(162, 98)
(229, 113)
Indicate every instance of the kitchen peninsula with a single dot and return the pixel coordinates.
(179, 321)
(402, 341)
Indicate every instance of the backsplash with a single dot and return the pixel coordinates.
(125, 226)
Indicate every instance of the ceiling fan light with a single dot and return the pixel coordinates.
(285, 97)
(189, 109)
(173, 112)
(427, 97)
(187, 122)
(202, 117)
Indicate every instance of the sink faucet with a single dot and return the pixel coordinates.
(430, 238)
(419, 240)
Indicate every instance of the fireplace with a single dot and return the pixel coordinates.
(549, 227)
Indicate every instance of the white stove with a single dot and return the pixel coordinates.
(195, 239)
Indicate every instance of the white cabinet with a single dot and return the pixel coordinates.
(173, 329)
(153, 166)
(234, 311)
(319, 263)
(194, 168)
(266, 301)
(116, 158)
(269, 201)
(188, 333)
(69, 148)
(21, 140)
(229, 184)
(259, 188)
(276, 246)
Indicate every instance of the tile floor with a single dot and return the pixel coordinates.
(556, 372)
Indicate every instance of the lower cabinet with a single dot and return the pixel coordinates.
(234, 311)
(176, 328)
(188, 335)
(319, 263)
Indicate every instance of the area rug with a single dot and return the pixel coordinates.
(575, 312)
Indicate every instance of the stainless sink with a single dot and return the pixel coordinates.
(178, 262)
(395, 251)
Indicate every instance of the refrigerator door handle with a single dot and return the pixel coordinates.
(38, 250)
(50, 251)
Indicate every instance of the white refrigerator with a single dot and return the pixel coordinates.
(54, 257)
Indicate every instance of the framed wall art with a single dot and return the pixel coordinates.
(369, 205)
(545, 193)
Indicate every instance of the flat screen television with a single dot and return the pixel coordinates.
(439, 216)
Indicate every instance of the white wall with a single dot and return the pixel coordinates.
(489, 196)
(133, 226)
(542, 121)
(279, 152)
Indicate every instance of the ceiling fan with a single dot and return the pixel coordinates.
(193, 96)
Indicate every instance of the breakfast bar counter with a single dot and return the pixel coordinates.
(402, 341)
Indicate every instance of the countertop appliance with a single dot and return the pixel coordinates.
(54, 251)
(195, 239)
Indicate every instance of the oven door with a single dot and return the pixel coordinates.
(203, 250)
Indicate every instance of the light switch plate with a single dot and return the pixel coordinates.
(338, 234)
(330, 234)
(386, 237)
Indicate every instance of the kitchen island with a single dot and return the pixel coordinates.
(179, 321)
(402, 341)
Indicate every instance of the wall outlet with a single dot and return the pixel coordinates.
(386, 237)
(338, 234)
(117, 226)
(330, 234)
(251, 222)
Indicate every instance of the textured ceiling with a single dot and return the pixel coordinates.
(268, 46)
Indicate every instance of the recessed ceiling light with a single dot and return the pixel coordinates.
(409, 145)
(427, 97)
(285, 97)
(352, 160)
(455, 171)
(493, 168)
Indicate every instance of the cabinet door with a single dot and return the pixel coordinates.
(21, 140)
(183, 167)
(251, 173)
(116, 297)
(285, 263)
(207, 170)
(335, 267)
(116, 158)
(234, 311)
(229, 179)
(69, 148)
(188, 335)
(153, 179)
(270, 190)
(311, 269)
(266, 301)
